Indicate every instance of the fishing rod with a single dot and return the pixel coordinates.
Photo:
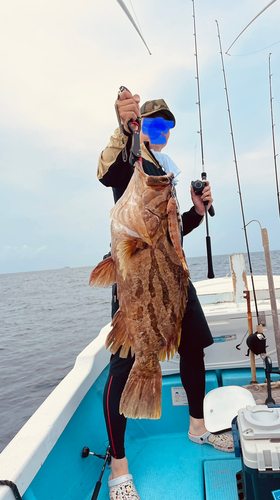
(199, 185)
(266, 7)
(273, 136)
(237, 175)
(107, 460)
(126, 11)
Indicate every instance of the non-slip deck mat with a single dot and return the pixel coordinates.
(220, 482)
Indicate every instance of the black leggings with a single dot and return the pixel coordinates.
(192, 373)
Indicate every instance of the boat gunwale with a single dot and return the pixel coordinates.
(24, 455)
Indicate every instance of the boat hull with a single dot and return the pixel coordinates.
(44, 459)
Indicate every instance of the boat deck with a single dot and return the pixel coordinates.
(162, 460)
(166, 465)
(171, 467)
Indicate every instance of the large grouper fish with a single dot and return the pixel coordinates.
(149, 267)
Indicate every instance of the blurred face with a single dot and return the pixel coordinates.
(156, 130)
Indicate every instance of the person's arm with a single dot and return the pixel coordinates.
(112, 170)
(191, 220)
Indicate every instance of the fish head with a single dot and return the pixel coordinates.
(155, 191)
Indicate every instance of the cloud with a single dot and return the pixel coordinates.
(8, 252)
(60, 72)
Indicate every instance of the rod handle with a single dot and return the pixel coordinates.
(96, 490)
(210, 274)
(211, 211)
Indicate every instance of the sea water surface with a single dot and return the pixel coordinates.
(47, 318)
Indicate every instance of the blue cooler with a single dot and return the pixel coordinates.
(256, 434)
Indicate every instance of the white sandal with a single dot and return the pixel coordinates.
(222, 442)
(122, 488)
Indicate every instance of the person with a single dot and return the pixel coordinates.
(115, 172)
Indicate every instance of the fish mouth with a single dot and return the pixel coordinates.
(155, 180)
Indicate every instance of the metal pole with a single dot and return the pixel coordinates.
(237, 175)
(273, 136)
(250, 330)
(210, 274)
(273, 303)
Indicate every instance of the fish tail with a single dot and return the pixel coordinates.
(104, 274)
(141, 397)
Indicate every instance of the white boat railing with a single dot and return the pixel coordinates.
(25, 454)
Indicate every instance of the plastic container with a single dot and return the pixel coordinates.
(256, 433)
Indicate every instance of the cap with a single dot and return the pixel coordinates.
(157, 106)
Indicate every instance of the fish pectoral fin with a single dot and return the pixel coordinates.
(118, 336)
(174, 232)
(125, 249)
(162, 354)
(104, 274)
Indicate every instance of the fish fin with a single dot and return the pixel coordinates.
(174, 232)
(104, 274)
(162, 354)
(118, 336)
(141, 397)
(125, 249)
(171, 351)
(173, 343)
(179, 336)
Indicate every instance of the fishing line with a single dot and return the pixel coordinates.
(125, 9)
(135, 15)
(270, 3)
(255, 52)
(194, 174)
(273, 136)
(237, 174)
(203, 175)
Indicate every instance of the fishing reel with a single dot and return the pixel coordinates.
(107, 459)
(198, 187)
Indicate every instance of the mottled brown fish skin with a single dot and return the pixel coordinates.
(152, 288)
(154, 304)
(153, 294)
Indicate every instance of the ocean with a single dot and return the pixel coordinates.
(48, 318)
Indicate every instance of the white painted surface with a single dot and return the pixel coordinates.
(226, 318)
(221, 405)
(239, 278)
(23, 457)
(257, 426)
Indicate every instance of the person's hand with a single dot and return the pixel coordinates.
(128, 106)
(198, 200)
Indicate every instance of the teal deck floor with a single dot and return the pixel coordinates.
(172, 468)
(165, 465)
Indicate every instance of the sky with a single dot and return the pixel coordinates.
(62, 63)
